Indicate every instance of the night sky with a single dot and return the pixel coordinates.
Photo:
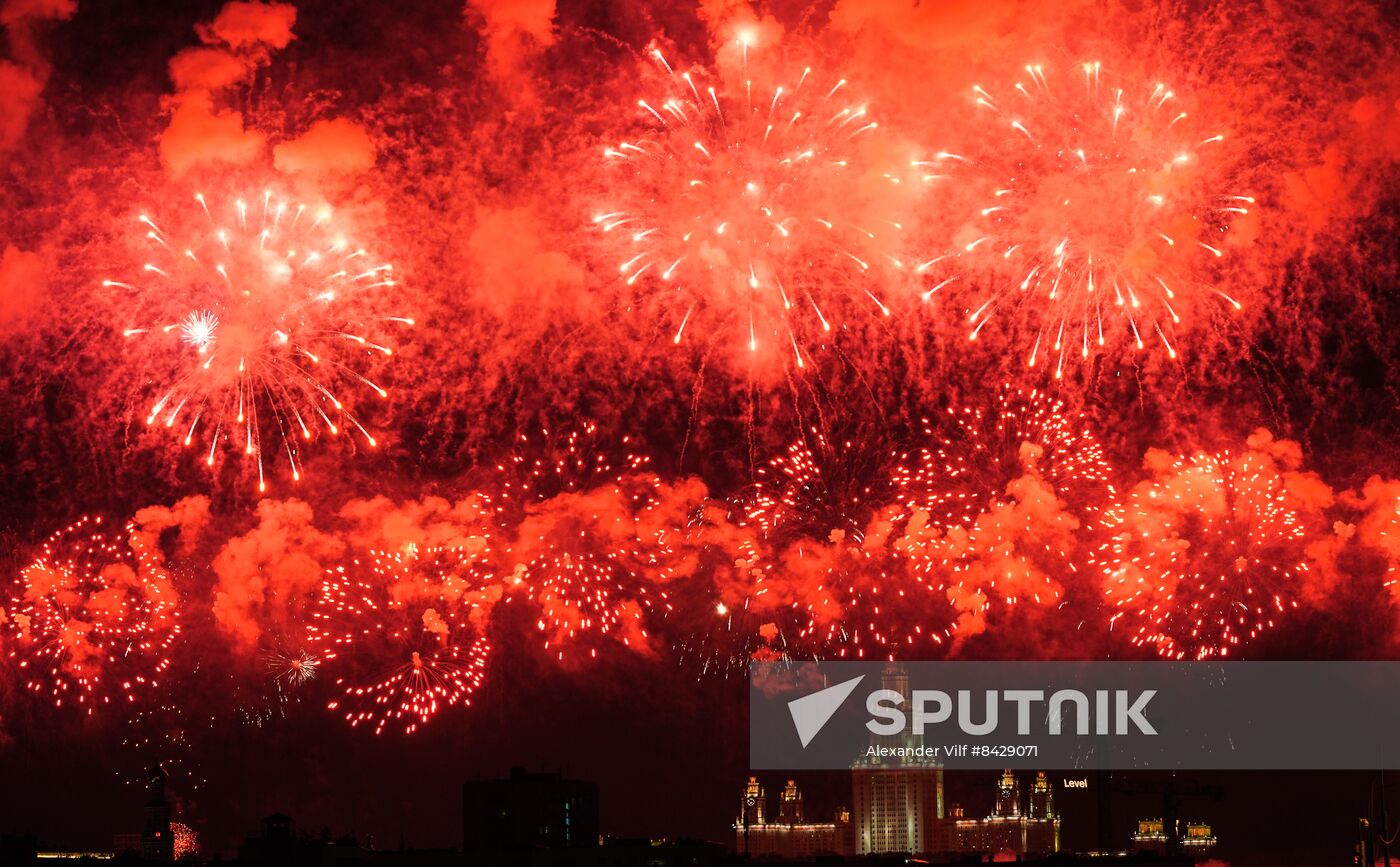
(537, 365)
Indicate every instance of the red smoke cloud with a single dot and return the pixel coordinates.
(240, 39)
(329, 147)
(23, 284)
(265, 576)
(515, 31)
(24, 74)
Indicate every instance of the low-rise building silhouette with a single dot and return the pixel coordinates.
(528, 811)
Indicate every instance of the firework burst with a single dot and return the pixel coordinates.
(824, 511)
(1203, 558)
(269, 326)
(592, 545)
(1098, 226)
(424, 614)
(995, 501)
(735, 203)
(185, 840)
(92, 619)
(291, 669)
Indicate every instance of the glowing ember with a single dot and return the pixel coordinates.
(92, 619)
(278, 327)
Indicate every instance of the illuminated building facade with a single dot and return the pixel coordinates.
(1022, 828)
(1197, 838)
(789, 835)
(898, 811)
(897, 806)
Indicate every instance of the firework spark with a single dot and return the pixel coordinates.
(1098, 227)
(419, 609)
(92, 620)
(820, 489)
(735, 204)
(276, 326)
(1205, 557)
(166, 735)
(976, 452)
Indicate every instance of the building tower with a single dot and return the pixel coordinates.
(751, 804)
(157, 844)
(899, 808)
(1042, 798)
(790, 807)
(1008, 804)
(1043, 826)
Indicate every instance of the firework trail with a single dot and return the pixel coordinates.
(1097, 226)
(997, 498)
(1204, 557)
(92, 619)
(265, 326)
(423, 613)
(592, 541)
(735, 205)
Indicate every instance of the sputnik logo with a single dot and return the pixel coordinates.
(811, 712)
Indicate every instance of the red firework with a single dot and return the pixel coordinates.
(736, 203)
(421, 613)
(185, 840)
(264, 326)
(995, 502)
(1204, 557)
(824, 511)
(291, 669)
(1100, 225)
(92, 619)
(586, 550)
